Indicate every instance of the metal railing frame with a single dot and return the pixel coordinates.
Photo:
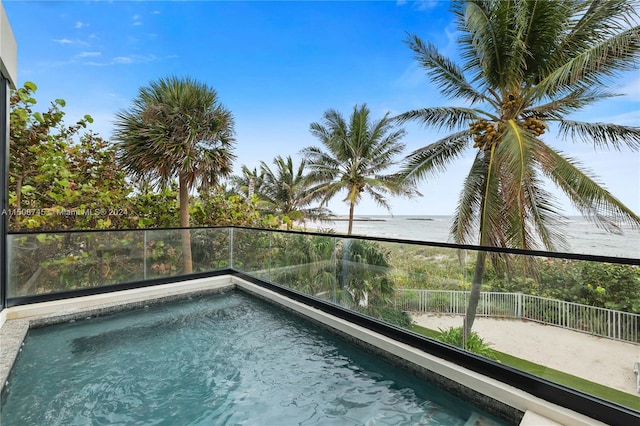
(572, 399)
(617, 325)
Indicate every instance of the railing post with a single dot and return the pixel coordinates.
(269, 264)
(4, 172)
(560, 314)
(231, 241)
(144, 254)
(334, 257)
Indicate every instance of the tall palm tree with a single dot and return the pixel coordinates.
(356, 153)
(176, 128)
(526, 65)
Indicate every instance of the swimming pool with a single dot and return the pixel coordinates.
(230, 359)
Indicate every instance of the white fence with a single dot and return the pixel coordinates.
(601, 322)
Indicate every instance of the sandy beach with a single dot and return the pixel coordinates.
(597, 359)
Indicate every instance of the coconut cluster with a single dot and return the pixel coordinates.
(485, 133)
(534, 125)
(510, 105)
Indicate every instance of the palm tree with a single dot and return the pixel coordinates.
(176, 128)
(286, 191)
(356, 153)
(248, 183)
(526, 65)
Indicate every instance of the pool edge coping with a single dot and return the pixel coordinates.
(21, 318)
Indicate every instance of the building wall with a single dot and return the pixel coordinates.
(8, 80)
(8, 50)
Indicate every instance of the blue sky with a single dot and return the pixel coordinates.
(277, 66)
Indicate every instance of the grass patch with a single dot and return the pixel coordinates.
(592, 388)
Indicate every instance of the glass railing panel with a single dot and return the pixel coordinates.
(365, 280)
(210, 249)
(430, 288)
(65, 261)
(165, 251)
(252, 252)
(306, 263)
(56, 262)
(572, 322)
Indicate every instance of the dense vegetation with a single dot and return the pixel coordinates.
(64, 177)
(604, 285)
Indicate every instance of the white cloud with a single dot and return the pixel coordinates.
(80, 24)
(124, 60)
(422, 5)
(70, 42)
(155, 12)
(631, 118)
(88, 54)
(412, 77)
(419, 5)
(631, 90)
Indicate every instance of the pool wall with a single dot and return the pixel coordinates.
(16, 321)
(509, 401)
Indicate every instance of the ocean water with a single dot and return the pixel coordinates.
(583, 237)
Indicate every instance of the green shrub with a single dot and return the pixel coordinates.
(474, 343)
(388, 314)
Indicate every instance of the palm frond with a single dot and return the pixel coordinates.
(591, 22)
(513, 158)
(378, 196)
(448, 118)
(592, 200)
(434, 158)
(544, 216)
(448, 77)
(602, 135)
(465, 225)
(492, 233)
(592, 66)
(574, 101)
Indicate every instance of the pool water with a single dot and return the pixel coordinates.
(218, 360)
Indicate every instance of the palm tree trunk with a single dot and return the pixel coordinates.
(184, 223)
(474, 296)
(351, 208)
(19, 180)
